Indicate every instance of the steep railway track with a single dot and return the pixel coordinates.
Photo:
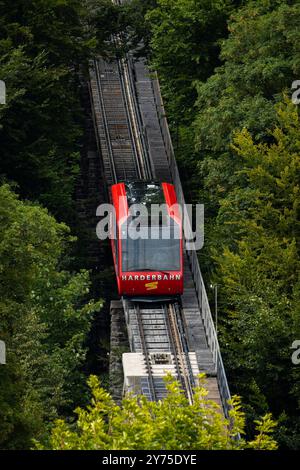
(133, 147)
(113, 121)
(128, 159)
(158, 335)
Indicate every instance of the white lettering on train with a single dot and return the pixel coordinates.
(153, 277)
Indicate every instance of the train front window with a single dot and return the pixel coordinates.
(159, 252)
(146, 193)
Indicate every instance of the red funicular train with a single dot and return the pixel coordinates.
(149, 266)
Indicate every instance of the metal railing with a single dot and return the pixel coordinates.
(204, 307)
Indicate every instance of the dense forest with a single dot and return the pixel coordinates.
(226, 68)
(46, 306)
(236, 133)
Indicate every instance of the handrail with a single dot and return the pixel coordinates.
(204, 307)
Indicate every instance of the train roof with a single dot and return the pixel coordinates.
(158, 197)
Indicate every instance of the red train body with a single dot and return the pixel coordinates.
(148, 268)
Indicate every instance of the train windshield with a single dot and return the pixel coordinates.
(141, 192)
(159, 251)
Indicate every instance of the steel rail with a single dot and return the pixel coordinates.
(148, 168)
(184, 344)
(178, 351)
(145, 352)
(105, 122)
(131, 121)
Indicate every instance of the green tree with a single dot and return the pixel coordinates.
(169, 424)
(260, 59)
(256, 247)
(44, 320)
(185, 47)
(38, 133)
(251, 189)
(45, 47)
